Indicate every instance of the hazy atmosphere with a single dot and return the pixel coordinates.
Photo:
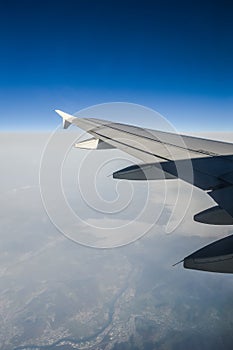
(60, 285)
(53, 289)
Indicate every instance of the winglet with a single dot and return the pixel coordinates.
(66, 118)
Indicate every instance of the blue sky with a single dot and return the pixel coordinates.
(173, 56)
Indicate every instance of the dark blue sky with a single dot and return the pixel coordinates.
(174, 56)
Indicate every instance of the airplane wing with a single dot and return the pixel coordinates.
(204, 163)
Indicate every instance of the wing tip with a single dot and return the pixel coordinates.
(67, 119)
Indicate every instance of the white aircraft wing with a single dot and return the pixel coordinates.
(206, 164)
(146, 144)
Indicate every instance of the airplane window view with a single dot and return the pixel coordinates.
(116, 175)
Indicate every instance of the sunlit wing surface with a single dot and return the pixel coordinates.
(146, 144)
(204, 163)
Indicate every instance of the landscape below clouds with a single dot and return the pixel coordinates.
(57, 294)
